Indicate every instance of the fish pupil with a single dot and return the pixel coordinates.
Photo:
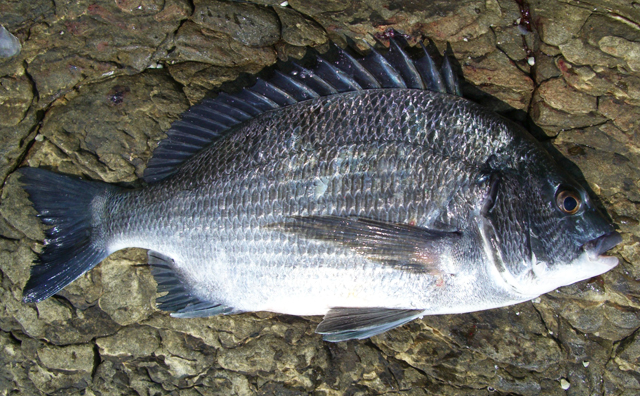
(570, 204)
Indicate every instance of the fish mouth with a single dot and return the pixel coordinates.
(596, 247)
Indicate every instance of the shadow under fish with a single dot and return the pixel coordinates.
(365, 190)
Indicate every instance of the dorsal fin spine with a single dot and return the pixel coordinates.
(450, 78)
(313, 80)
(234, 112)
(261, 102)
(296, 89)
(354, 69)
(184, 125)
(237, 103)
(341, 81)
(405, 66)
(192, 120)
(429, 72)
(191, 137)
(387, 75)
(268, 90)
(214, 114)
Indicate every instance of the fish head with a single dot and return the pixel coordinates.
(568, 236)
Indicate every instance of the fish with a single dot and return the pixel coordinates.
(366, 190)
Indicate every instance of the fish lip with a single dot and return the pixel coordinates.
(596, 247)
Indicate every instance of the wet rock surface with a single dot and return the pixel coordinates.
(97, 83)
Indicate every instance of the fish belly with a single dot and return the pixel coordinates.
(279, 273)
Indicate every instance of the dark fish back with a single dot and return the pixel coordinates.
(396, 155)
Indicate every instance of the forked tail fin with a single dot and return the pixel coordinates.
(71, 207)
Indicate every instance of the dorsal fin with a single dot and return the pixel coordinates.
(207, 121)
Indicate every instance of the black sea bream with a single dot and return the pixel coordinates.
(367, 191)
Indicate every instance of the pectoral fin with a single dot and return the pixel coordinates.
(342, 324)
(400, 245)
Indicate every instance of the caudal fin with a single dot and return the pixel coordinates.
(72, 246)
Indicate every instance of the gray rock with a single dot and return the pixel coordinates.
(509, 41)
(97, 41)
(298, 30)
(47, 381)
(7, 231)
(557, 94)
(603, 82)
(621, 48)
(252, 25)
(83, 327)
(599, 34)
(127, 289)
(623, 116)
(16, 94)
(21, 13)
(221, 383)
(480, 46)
(546, 68)
(12, 261)
(628, 354)
(608, 158)
(17, 212)
(15, 139)
(110, 378)
(185, 356)
(56, 73)
(500, 78)
(554, 120)
(314, 8)
(69, 358)
(560, 22)
(198, 44)
(133, 341)
(580, 53)
(200, 78)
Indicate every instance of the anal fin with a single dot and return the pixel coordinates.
(180, 299)
(342, 324)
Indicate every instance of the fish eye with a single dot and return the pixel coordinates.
(568, 201)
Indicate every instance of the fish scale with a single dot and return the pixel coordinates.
(372, 206)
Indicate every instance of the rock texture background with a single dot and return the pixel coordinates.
(97, 83)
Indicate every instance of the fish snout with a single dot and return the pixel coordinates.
(598, 246)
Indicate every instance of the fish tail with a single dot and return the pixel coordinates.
(73, 243)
